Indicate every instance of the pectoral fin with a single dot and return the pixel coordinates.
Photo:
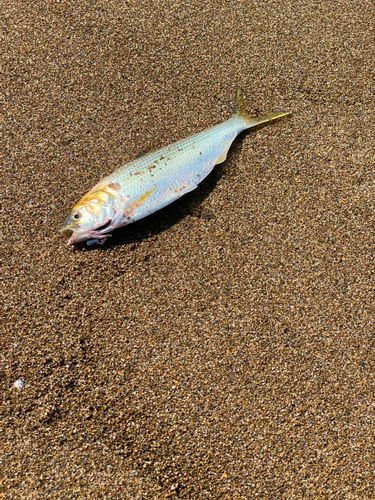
(137, 203)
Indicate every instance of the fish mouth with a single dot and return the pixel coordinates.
(77, 237)
(67, 233)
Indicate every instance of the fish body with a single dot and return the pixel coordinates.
(156, 178)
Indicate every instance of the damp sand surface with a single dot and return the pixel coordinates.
(224, 347)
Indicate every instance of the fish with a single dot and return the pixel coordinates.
(156, 178)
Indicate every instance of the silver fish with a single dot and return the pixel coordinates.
(156, 178)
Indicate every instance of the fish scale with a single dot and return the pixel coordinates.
(156, 178)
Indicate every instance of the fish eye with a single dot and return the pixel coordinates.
(76, 216)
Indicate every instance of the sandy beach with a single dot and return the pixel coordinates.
(224, 347)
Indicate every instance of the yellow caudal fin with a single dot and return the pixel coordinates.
(239, 110)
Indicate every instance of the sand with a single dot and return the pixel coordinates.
(224, 347)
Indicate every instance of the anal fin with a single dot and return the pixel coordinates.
(226, 146)
(222, 157)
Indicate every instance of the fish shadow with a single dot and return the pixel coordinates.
(188, 205)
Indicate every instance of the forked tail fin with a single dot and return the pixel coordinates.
(239, 110)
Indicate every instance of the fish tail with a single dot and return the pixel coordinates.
(239, 110)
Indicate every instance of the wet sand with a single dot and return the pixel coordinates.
(224, 347)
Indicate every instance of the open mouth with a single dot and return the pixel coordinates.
(67, 233)
(76, 236)
(104, 226)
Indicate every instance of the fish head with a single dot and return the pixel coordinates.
(92, 216)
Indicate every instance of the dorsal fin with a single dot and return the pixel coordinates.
(145, 151)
